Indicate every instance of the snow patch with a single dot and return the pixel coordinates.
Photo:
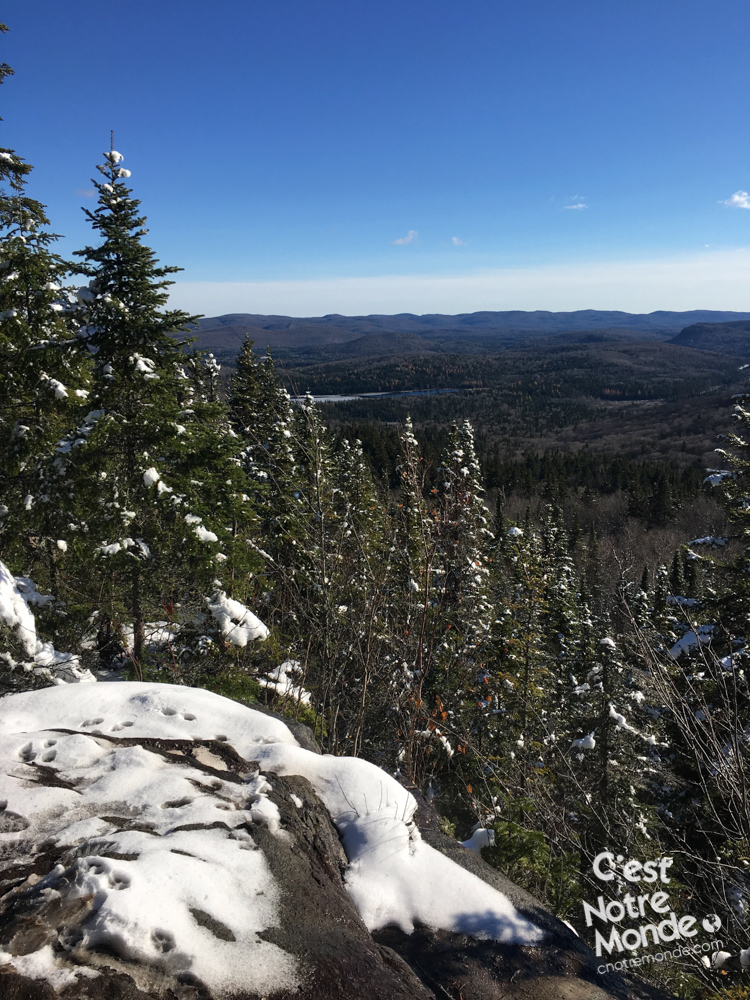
(238, 624)
(204, 535)
(585, 743)
(392, 876)
(480, 838)
(16, 596)
(691, 640)
(281, 680)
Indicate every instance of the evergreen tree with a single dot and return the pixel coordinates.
(43, 373)
(146, 484)
(677, 575)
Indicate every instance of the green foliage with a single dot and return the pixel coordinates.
(244, 689)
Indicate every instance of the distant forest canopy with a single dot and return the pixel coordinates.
(563, 384)
(617, 432)
(333, 336)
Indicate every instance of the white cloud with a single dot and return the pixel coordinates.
(86, 192)
(457, 242)
(409, 238)
(740, 199)
(577, 207)
(710, 279)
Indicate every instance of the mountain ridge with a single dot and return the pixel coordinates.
(335, 336)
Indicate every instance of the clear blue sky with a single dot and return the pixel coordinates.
(281, 147)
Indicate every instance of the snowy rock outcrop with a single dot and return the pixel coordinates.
(162, 841)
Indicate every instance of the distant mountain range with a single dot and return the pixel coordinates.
(341, 338)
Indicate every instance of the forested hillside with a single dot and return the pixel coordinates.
(548, 643)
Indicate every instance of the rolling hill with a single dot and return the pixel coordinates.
(334, 337)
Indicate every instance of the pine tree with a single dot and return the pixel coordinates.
(146, 483)
(43, 373)
(677, 576)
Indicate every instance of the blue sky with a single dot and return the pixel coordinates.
(313, 156)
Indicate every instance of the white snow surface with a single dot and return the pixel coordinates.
(17, 594)
(282, 680)
(585, 743)
(480, 838)
(42, 964)
(151, 476)
(204, 535)
(15, 612)
(146, 900)
(691, 640)
(238, 624)
(718, 476)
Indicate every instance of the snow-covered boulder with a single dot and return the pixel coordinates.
(162, 841)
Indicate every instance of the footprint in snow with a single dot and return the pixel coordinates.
(118, 880)
(163, 940)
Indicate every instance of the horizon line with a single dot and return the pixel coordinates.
(712, 281)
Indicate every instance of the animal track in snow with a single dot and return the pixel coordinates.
(177, 803)
(163, 940)
(168, 711)
(27, 754)
(49, 756)
(50, 743)
(222, 738)
(70, 937)
(118, 880)
(91, 722)
(189, 717)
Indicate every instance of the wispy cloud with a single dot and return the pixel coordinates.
(740, 199)
(457, 242)
(409, 238)
(577, 207)
(86, 192)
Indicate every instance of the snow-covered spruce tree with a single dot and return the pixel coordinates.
(262, 416)
(302, 528)
(358, 682)
(319, 514)
(415, 614)
(698, 660)
(522, 671)
(43, 373)
(146, 485)
(442, 614)
(729, 593)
